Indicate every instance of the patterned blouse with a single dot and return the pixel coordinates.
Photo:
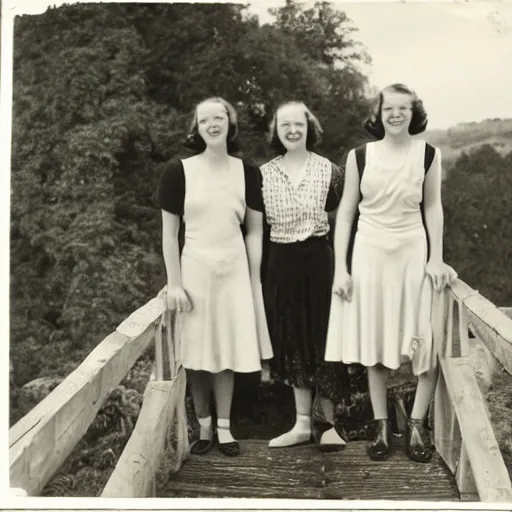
(298, 211)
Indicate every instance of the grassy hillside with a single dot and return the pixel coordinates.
(466, 137)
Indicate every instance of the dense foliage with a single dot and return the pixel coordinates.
(103, 95)
(478, 208)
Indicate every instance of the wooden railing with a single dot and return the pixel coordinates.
(462, 429)
(42, 440)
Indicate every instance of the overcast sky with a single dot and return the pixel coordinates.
(458, 56)
(453, 54)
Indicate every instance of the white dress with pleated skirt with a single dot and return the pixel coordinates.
(390, 309)
(220, 333)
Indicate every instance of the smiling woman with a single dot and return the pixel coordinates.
(395, 265)
(210, 286)
(298, 189)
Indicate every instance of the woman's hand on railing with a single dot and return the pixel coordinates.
(441, 274)
(342, 285)
(178, 300)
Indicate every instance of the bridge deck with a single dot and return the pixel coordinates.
(305, 472)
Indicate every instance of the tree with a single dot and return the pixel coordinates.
(103, 94)
(478, 208)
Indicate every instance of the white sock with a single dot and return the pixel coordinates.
(300, 433)
(205, 428)
(223, 431)
(331, 437)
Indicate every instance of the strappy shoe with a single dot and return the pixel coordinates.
(202, 446)
(418, 444)
(328, 437)
(379, 448)
(231, 449)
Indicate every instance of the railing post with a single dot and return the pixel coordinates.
(446, 428)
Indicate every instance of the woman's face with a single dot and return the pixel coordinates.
(212, 123)
(292, 127)
(396, 112)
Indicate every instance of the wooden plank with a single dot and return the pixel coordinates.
(41, 441)
(166, 364)
(135, 472)
(143, 317)
(447, 437)
(487, 464)
(305, 472)
(463, 329)
(442, 323)
(464, 476)
(490, 324)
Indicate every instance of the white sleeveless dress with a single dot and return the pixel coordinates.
(220, 333)
(391, 301)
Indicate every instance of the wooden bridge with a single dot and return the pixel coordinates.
(468, 464)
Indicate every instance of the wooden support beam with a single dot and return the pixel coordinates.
(135, 472)
(447, 437)
(487, 466)
(489, 324)
(464, 476)
(42, 440)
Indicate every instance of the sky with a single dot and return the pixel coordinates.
(456, 55)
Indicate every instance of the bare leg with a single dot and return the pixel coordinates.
(424, 391)
(301, 431)
(200, 386)
(379, 448)
(418, 443)
(223, 387)
(377, 382)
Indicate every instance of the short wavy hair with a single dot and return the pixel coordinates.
(195, 142)
(373, 123)
(314, 129)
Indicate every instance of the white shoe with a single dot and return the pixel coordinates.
(294, 437)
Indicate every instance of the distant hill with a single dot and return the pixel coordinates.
(468, 136)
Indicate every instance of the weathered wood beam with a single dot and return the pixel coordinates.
(137, 467)
(489, 323)
(42, 440)
(487, 467)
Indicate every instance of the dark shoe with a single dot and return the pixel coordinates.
(327, 447)
(202, 446)
(379, 448)
(418, 445)
(231, 449)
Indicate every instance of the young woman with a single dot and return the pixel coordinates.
(298, 188)
(211, 287)
(380, 315)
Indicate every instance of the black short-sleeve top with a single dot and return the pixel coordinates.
(296, 212)
(170, 194)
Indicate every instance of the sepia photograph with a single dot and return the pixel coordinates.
(258, 252)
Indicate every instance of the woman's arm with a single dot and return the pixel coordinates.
(440, 273)
(176, 295)
(170, 248)
(254, 241)
(254, 246)
(335, 193)
(346, 213)
(433, 208)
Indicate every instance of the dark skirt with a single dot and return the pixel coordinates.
(297, 293)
